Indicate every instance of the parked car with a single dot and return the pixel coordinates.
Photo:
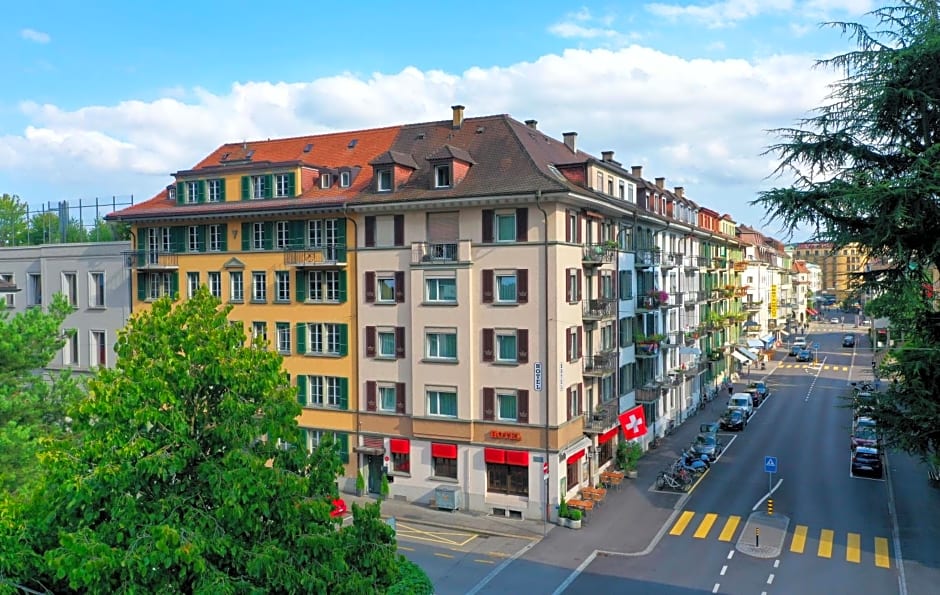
(708, 445)
(798, 344)
(760, 390)
(834, 320)
(708, 428)
(733, 420)
(864, 432)
(864, 403)
(805, 355)
(848, 341)
(743, 402)
(866, 460)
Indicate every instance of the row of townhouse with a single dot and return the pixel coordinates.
(468, 304)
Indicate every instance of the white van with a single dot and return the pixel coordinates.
(743, 402)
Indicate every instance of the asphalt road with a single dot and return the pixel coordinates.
(837, 534)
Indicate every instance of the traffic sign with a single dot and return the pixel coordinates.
(545, 470)
(815, 345)
(770, 464)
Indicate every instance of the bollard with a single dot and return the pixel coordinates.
(757, 536)
(770, 506)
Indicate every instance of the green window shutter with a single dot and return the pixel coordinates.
(142, 286)
(201, 238)
(342, 440)
(268, 235)
(246, 237)
(344, 394)
(341, 240)
(269, 186)
(297, 231)
(174, 285)
(180, 193)
(302, 389)
(201, 191)
(222, 189)
(141, 238)
(223, 230)
(177, 239)
(292, 184)
(246, 187)
(301, 338)
(300, 282)
(342, 287)
(343, 339)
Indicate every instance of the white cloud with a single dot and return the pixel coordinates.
(34, 35)
(700, 123)
(584, 25)
(728, 13)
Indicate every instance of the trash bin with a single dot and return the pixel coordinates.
(447, 498)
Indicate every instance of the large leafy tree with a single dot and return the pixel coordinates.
(13, 224)
(189, 476)
(866, 167)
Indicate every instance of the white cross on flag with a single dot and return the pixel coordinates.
(633, 423)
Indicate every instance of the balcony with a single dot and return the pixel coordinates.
(647, 349)
(673, 340)
(647, 302)
(646, 258)
(153, 260)
(693, 370)
(597, 254)
(599, 309)
(752, 306)
(316, 257)
(719, 263)
(600, 365)
(440, 253)
(602, 417)
(648, 395)
(671, 260)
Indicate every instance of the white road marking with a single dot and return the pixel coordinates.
(776, 563)
(716, 587)
(730, 554)
(770, 579)
(724, 569)
(767, 495)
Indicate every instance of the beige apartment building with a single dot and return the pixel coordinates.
(836, 266)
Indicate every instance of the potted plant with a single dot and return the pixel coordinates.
(384, 487)
(360, 484)
(562, 512)
(632, 453)
(574, 518)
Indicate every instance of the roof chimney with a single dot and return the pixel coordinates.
(458, 115)
(679, 191)
(661, 183)
(607, 155)
(570, 138)
(533, 124)
(637, 171)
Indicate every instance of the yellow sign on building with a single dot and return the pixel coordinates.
(773, 301)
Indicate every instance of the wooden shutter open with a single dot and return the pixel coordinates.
(399, 238)
(399, 342)
(522, 406)
(522, 286)
(489, 404)
(370, 341)
(370, 286)
(522, 345)
(370, 231)
(400, 397)
(522, 224)
(371, 403)
(487, 225)
(400, 287)
(580, 342)
(488, 277)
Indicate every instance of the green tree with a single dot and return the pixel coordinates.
(32, 402)
(13, 227)
(866, 171)
(189, 477)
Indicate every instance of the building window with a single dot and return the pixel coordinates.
(34, 289)
(505, 226)
(193, 243)
(259, 286)
(345, 179)
(444, 460)
(441, 345)
(326, 391)
(401, 462)
(506, 288)
(385, 288)
(216, 190)
(324, 338)
(70, 288)
(192, 192)
(283, 337)
(383, 180)
(610, 186)
(507, 479)
(259, 186)
(96, 290)
(326, 180)
(70, 350)
(507, 406)
(8, 277)
(282, 185)
(259, 332)
(215, 284)
(282, 235)
(623, 189)
(215, 238)
(192, 284)
(282, 284)
(441, 290)
(506, 347)
(99, 349)
(324, 286)
(386, 343)
(600, 182)
(159, 285)
(325, 233)
(386, 398)
(442, 176)
(257, 236)
(236, 280)
(442, 403)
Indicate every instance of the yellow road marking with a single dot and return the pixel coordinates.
(825, 543)
(407, 549)
(730, 525)
(443, 537)
(881, 553)
(497, 554)
(705, 526)
(853, 548)
(442, 555)
(799, 539)
(682, 523)
(485, 561)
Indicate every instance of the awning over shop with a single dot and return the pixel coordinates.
(811, 312)
(608, 435)
(755, 344)
(736, 355)
(746, 353)
(574, 458)
(443, 451)
(783, 332)
(768, 340)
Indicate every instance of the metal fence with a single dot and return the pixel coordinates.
(64, 222)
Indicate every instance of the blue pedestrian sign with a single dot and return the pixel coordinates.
(815, 345)
(770, 464)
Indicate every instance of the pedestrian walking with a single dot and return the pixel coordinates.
(730, 388)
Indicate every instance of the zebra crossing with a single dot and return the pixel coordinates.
(831, 367)
(824, 543)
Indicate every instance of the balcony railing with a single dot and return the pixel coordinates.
(151, 259)
(440, 253)
(647, 302)
(647, 258)
(753, 305)
(673, 340)
(319, 256)
(671, 260)
(647, 349)
(602, 364)
(648, 395)
(693, 370)
(599, 309)
(603, 416)
(597, 254)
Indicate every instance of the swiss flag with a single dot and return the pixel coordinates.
(633, 423)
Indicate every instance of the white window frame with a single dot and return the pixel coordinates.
(379, 334)
(436, 283)
(192, 283)
(70, 287)
(214, 238)
(214, 280)
(281, 185)
(236, 281)
(323, 338)
(214, 190)
(97, 286)
(258, 184)
(436, 344)
(384, 181)
(382, 392)
(257, 235)
(385, 281)
(259, 330)
(34, 289)
(433, 399)
(8, 277)
(497, 217)
(283, 337)
(443, 176)
(97, 344)
(345, 179)
(326, 180)
(192, 238)
(70, 352)
(192, 192)
(505, 394)
(496, 289)
(281, 234)
(282, 286)
(504, 335)
(259, 286)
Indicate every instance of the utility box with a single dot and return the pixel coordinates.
(447, 498)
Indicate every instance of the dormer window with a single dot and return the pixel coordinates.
(171, 193)
(442, 176)
(383, 180)
(326, 180)
(345, 179)
(192, 192)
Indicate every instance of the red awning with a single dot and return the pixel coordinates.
(400, 445)
(811, 312)
(519, 458)
(494, 455)
(575, 457)
(443, 451)
(606, 436)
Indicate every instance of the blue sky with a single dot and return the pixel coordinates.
(108, 98)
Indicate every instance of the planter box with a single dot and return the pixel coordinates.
(572, 524)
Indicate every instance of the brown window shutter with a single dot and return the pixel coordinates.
(488, 277)
(568, 403)
(370, 286)
(568, 345)
(580, 398)
(522, 404)
(600, 286)
(400, 287)
(370, 231)
(371, 404)
(488, 345)
(487, 225)
(522, 286)
(568, 237)
(370, 341)
(580, 285)
(489, 404)
(522, 345)
(399, 230)
(613, 287)
(400, 397)
(580, 342)
(399, 342)
(579, 226)
(522, 224)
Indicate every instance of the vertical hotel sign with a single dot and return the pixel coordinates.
(773, 301)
